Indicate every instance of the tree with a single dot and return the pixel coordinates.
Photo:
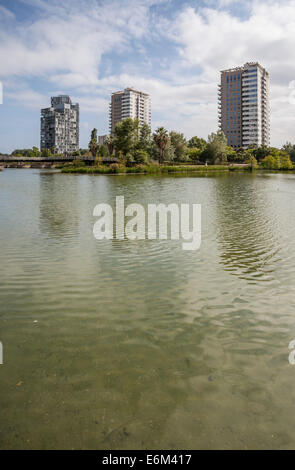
(242, 155)
(46, 153)
(16, 152)
(129, 159)
(178, 142)
(271, 162)
(103, 151)
(280, 161)
(145, 141)
(290, 150)
(110, 144)
(197, 143)
(169, 152)
(30, 153)
(161, 139)
(78, 163)
(194, 154)
(231, 154)
(34, 153)
(93, 145)
(196, 148)
(126, 136)
(121, 158)
(215, 151)
(286, 163)
(252, 163)
(261, 152)
(141, 156)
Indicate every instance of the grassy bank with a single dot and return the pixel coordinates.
(147, 169)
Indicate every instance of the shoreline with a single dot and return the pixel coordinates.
(151, 169)
(155, 170)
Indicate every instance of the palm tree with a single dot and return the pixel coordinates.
(110, 144)
(93, 145)
(161, 139)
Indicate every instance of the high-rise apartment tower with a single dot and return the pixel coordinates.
(129, 103)
(244, 111)
(60, 125)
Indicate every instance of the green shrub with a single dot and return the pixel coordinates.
(277, 162)
(78, 163)
(286, 163)
(194, 154)
(141, 157)
(271, 162)
(116, 168)
(252, 162)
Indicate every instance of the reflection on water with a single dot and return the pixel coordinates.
(247, 228)
(139, 344)
(57, 216)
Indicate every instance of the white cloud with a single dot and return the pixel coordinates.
(92, 104)
(187, 107)
(215, 40)
(65, 43)
(5, 14)
(26, 97)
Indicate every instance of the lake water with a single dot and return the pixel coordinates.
(139, 344)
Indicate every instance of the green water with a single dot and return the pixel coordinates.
(139, 344)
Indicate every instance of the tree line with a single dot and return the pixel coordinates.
(132, 144)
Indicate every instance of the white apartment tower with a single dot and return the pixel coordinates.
(129, 103)
(244, 112)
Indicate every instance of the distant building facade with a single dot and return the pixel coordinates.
(60, 125)
(244, 112)
(102, 139)
(129, 103)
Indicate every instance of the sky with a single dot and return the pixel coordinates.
(172, 49)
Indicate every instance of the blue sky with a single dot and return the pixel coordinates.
(171, 49)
